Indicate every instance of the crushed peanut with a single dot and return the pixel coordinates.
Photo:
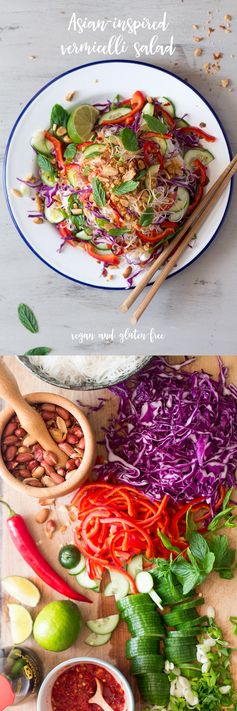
(70, 95)
(61, 131)
(224, 83)
(198, 39)
(217, 55)
(228, 18)
(38, 220)
(66, 139)
(127, 271)
(207, 67)
(198, 52)
(210, 30)
(195, 27)
(16, 193)
(38, 203)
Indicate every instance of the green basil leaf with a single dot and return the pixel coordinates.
(155, 124)
(185, 574)
(129, 139)
(124, 188)
(70, 152)
(59, 116)
(27, 318)
(117, 231)
(45, 164)
(98, 192)
(41, 350)
(146, 217)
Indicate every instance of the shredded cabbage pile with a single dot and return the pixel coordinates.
(175, 433)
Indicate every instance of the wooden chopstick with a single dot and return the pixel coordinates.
(131, 298)
(200, 214)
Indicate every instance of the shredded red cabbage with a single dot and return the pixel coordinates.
(175, 433)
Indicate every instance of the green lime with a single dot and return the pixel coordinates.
(69, 556)
(57, 626)
(81, 122)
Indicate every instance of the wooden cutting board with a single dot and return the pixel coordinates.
(219, 593)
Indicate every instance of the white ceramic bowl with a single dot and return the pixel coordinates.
(44, 696)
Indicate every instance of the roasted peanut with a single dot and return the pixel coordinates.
(42, 515)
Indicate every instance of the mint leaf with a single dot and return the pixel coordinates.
(185, 574)
(124, 188)
(70, 152)
(146, 217)
(27, 318)
(41, 350)
(155, 124)
(44, 164)
(233, 619)
(98, 192)
(198, 546)
(59, 116)
(117, 231)
(224, 555)
(129, 139)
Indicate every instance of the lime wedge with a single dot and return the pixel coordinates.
(81, 122)
(22, 590)
(21, 623)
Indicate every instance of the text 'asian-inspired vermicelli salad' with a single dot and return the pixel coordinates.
(118, 179)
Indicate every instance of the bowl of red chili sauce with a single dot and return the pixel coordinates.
(71, 684)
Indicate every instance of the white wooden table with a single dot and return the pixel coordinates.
(194, 310)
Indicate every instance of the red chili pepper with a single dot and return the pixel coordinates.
(29, 551)
(58, 151)
(137, 103)
(198, 132)
(150, 149)
(151, 134)
(155, 236)
(65, 233)
(167, 116)
(105, 258)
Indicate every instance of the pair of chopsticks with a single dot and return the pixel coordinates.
(177, 246)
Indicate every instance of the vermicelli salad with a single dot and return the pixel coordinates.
(118, 179)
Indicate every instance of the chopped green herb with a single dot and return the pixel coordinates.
(129, 139)
(45, 165)
(127, 187)
(27, 318)
(59, 116)
(98, 192)
(41, 350)
(70, 152)
(117, 231)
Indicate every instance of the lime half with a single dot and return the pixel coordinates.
(81, 122)
(21, 623)
(57, 625)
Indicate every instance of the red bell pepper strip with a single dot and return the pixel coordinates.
(166, 115)
(196, 200)
(153, 134)
(151, 149)
(65, 233)
(198, 132)
(176, 518)
(104, 564)
(110, 259)
(137, 103)
(84, 145)
(155, 237)
(29, 551)
(58, 151)
(201, 171)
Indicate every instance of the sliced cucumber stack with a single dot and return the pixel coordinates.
(144, 663)
(134, 603)
(142, 646)
(201, 154)
(103, 625)
(179, 616)
(114, 114)
(154, 688)
(54, 214)
(168, 105)
(180, 206)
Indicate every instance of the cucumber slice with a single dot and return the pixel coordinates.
(148, 109)
(192, 603)
(147, 663)
(176, 616)
(41, 144)
(201, 154)
(79, 567)
(168, 105)
(48, 179)
(103, 625)
(190, 670)
(83, 236)
(97, 640)
(114, 114)
(54, 214)
(144, 582)
(151, 174)
(119, 586)
(141, 645)
(73, 177)
(86, 582)
(180, 123)
(180, 206)
(94, 150)
(135, 566)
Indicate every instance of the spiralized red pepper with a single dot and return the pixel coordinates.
(114, 523)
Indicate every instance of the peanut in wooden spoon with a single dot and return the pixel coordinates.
(98, 697)
(30, 420)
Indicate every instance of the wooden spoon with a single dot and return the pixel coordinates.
(30, 420)
(98, 697)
